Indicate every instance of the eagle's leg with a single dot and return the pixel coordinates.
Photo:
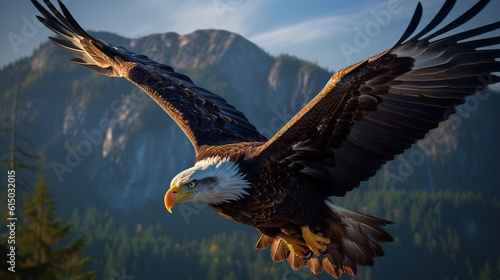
(316, 242)
(296, 244)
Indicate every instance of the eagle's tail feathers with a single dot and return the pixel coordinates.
(354, 240)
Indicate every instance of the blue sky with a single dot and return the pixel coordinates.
(333, 34)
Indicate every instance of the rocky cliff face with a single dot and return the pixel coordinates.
(104, 140)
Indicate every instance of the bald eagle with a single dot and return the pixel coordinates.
(365, 115)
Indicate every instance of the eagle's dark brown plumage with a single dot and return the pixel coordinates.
(365, 115)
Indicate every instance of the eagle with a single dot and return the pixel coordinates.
(365, 115)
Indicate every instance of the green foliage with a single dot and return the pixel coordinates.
(447, 232)
(147, 251)
(43, 251)
(444, 231)
(19, 155)
(211, 78)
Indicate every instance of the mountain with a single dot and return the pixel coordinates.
(105, 142)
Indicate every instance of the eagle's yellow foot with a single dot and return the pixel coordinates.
(316, 242)
(296, 244)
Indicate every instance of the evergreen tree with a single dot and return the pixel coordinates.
(20, 154)
(41, 237)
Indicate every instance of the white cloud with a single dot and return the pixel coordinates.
(334, 24)
(301, 32)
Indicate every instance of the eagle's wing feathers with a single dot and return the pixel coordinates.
(207, 119)
(371, 111)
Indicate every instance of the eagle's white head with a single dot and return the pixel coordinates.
(212, 180)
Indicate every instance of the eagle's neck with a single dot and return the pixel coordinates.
(229, 184)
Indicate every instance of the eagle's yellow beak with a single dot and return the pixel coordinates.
(175, 196)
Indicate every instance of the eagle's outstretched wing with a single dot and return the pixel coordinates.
(371, 111)
(206, 119)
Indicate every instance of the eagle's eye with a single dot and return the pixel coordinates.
(192, 184)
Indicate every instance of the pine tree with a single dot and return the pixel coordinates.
(40, 238)
(20, 155)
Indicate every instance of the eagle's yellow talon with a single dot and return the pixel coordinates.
(316, 242)
(296, 244)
